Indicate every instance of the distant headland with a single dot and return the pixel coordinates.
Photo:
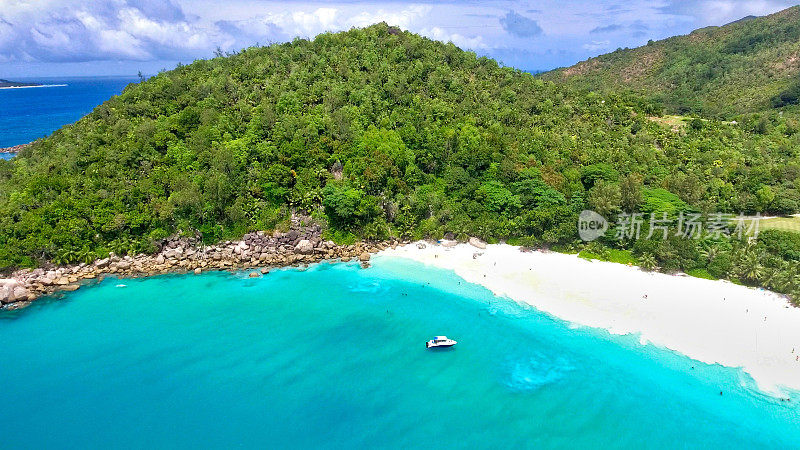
(12, 84)
(6, 84)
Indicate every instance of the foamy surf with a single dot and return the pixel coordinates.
(715, 322)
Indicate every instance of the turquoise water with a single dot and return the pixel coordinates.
(334, 357)
(31, 113)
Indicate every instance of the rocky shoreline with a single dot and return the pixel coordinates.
(14, 149)
(259, 251)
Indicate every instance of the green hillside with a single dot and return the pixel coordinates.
(376, 133)
(743, 67)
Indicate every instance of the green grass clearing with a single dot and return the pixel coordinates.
(701, 273)
(610, 255)
(780, 223)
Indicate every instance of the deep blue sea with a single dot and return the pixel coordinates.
(31, 113)
(334, 357)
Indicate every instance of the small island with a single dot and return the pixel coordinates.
(15, 84)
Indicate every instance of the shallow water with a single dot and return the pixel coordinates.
(334, 357)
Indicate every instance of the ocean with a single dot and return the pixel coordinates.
(31, 113)
(333, 356)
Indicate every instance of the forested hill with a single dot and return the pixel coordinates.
(746, 66)
(376, 132)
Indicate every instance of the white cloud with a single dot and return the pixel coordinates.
(597, 45)
(283, 25)
(720, 12)
(405, 18)
(303, 23)
(533, 34)
(464, 42)
(117, 29)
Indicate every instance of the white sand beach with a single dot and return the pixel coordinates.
(710, 321)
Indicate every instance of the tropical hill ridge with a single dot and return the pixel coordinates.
(380, 133)
(746, 66)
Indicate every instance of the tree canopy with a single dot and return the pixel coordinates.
(378, 133)
(747, 66)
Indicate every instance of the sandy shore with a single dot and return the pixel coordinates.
(711, 321)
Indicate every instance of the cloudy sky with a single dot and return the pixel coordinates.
(116, 37)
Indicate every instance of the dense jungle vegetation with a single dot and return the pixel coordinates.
(748, 66)
(378, 132)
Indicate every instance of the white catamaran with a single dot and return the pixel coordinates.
(440, 341)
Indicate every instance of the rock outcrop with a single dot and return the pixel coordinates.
(258, 251)
(304, 247)
(12, 290)
(14, 149)
(475, 242)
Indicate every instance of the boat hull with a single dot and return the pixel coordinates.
(430, 345)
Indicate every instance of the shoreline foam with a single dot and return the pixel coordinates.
(710, 321)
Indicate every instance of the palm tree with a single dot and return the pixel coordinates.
(86, 255)
(709, 251)
(771, 278)
(132, 247)
(794, 297)
(58, 260)
(123, 246)
(751, 268)
(648, 262)
(65, 256)
(116, 246)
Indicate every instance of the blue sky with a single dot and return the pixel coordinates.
(116, 37)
